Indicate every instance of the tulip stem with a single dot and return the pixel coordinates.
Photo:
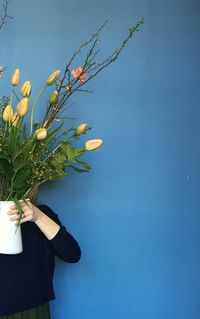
(11, 96)
(32, 189)
(33, 108)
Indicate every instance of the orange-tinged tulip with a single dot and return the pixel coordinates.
(22, 107)
(81, 129)
(93, 144)
(8, 113)
(26, 89)
(16, 77)
(41, 133)
(53, 77)
(15, 119)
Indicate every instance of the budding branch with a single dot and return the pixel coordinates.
(67, 86)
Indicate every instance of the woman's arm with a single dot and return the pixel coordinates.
(32, 213)
(63, 243)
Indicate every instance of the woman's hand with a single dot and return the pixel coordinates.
(30, 212)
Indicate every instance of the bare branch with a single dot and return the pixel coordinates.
(68, 86)
(5, 17)
(93, 36)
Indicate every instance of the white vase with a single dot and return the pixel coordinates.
(10, 234)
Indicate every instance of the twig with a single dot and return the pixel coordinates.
(5, 17)
(90, 67)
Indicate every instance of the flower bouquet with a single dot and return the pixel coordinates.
(39, 151)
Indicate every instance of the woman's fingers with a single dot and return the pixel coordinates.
(27, 215)
(13, 212)
(14, 217)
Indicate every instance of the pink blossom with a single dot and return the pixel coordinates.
(80, 74)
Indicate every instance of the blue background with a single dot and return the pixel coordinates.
(136, 214)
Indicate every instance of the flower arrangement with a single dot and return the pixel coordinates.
(33, 154)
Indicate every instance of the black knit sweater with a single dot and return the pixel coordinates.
(26, 278)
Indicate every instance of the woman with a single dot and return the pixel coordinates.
(26, 279)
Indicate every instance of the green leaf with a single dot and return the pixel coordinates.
(26, 148)
(24, 132)
(6, 168)
(68, 151)
(21, 165)
(20, 178)
(79, 152)
(51, 136)
(17, 203)
(7, 157)
(13, 139)
(79, 170)
(58, 160)
(84, 164)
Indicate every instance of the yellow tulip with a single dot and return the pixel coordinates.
(8, 113)
(26, 89)
(81, 129)
(15, 119)
(16, 77)
(41, 133)
(22, 107)
(52, 77)
(53, 99)
(93, 144)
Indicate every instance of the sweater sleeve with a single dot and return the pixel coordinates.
(63, 243)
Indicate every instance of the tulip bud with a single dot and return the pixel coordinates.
(41, 133)
(81, 129)
(93, 144)
(26, 89)
(22, 107)
(53, 77)
(8, 113)
(1, 70)
(53, 99)
(16, 77)
(15, 119)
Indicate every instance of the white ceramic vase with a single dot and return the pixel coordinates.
(10, 235)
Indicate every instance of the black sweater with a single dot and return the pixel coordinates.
(26, 278)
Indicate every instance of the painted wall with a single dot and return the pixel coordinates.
(136, 214)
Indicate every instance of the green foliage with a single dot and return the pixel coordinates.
(29, 159)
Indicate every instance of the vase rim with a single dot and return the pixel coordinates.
(12, 201)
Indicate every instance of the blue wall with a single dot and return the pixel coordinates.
(136, 215)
